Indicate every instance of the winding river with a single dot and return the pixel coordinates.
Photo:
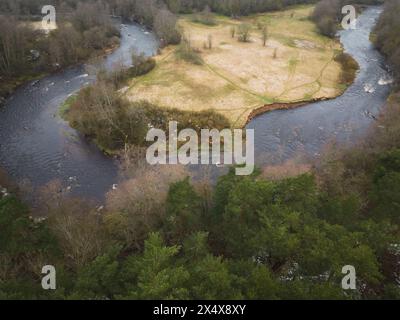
(37, 146)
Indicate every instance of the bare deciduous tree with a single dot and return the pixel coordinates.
(233, 31)
(14, 45)
(137, 206)
(165, 27)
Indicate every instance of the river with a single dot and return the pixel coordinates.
(36, 145)
(284, 134)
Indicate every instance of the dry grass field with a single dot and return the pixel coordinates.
(238, 77)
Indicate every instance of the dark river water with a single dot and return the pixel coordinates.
(37, 146)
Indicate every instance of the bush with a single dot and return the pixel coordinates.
(205, 17)
(244, 32)
(99, 113)
(117, 78)
(142, 67)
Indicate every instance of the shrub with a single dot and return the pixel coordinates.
(244, 32)
(140, 66)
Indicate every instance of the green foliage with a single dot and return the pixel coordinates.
(244, 32)
(100, 279)
(386, 186)
(210, 279)
(154, 274)
(255, 281)
(19, 234)
(22, 242)
(184, 214)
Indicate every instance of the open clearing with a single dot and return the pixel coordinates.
(237, 78)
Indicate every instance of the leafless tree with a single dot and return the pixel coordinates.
(233, 31)
(210, 42)
(165, 27)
